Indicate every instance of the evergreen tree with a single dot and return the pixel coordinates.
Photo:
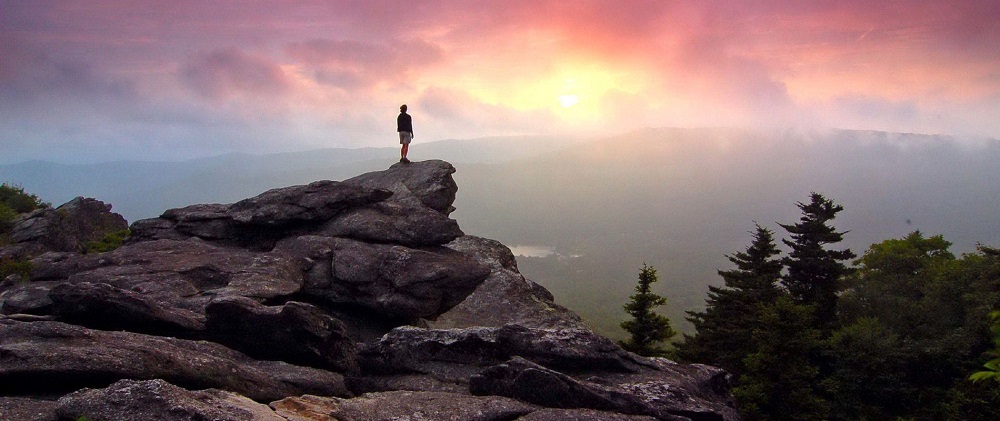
(646, 329)
(781, 381)
(914, 325)
(731, 313)
(814, 272)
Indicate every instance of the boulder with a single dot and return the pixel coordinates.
(394, 223)
(259, 222)
(26, 298)
(67, 228)
(427, 183)
(315, 202)
(294, 332)
(402, 405)
(644, 394)
(170, 276)
(128, 400)
(521, 379)
(397, 281)
(52, 357)
(415, 350)
(575, 367)
(102, 306)
(505, 297)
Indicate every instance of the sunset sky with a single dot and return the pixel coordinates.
(86, 81)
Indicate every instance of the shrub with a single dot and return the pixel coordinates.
(110, 241)
(9, 267)
(15, 198)
(7, 216)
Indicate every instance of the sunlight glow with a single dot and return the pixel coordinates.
(568, 100)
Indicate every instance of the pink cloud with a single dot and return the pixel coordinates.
(352, 64)
(223, 73)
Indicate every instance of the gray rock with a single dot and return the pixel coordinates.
(317, 201)
(550, 414)
(278, 280)
(208, 222)
(396, 223)
(26, 298)
(27, 409)
(297, 333)
(129, 400)
(416, 350)
(175, 274)
(402, 405)
(505, 297)
(53, 356)
(397, 281)
(521, 379)
(67, 228)
(258, 222)
(426, 182)
(666, 397)
(103, 306)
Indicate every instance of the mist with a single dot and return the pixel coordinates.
(676, 199)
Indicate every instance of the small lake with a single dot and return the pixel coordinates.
(533, 251)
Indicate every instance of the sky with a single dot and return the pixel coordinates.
(91, 81)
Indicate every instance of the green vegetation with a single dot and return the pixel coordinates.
(646, 328)
(14, 202)
(992, 371)
(109, 242)
(815, 272)
(894, 337)
(9, 267)
(726, 326)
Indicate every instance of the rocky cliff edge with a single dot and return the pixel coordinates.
(352, 300)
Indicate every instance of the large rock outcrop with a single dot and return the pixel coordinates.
(352, 300)
(68, 228)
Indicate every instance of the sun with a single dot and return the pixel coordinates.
(568, 100)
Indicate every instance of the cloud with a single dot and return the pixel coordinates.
(360, 64)
(324, 73)
(224, 73)
(465, 115)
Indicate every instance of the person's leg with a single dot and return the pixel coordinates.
(404, 150)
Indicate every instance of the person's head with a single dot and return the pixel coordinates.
(402, 108)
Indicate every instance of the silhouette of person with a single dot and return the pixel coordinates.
(404, 125)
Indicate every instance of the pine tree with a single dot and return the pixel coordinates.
(731, 314)
(646, 329)
(814, 273)
(781, 381)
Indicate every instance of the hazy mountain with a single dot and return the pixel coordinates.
(677, 199)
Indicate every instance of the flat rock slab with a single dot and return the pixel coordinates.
(402, 405)
(53, 356)
(27, 409)
(130, 400)
(661, 394)
(167, 281)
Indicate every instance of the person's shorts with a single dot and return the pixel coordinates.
(405, 138)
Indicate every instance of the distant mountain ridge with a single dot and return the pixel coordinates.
(678, 199)
(142, 189)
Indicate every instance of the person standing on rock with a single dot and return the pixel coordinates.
(404, 125)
